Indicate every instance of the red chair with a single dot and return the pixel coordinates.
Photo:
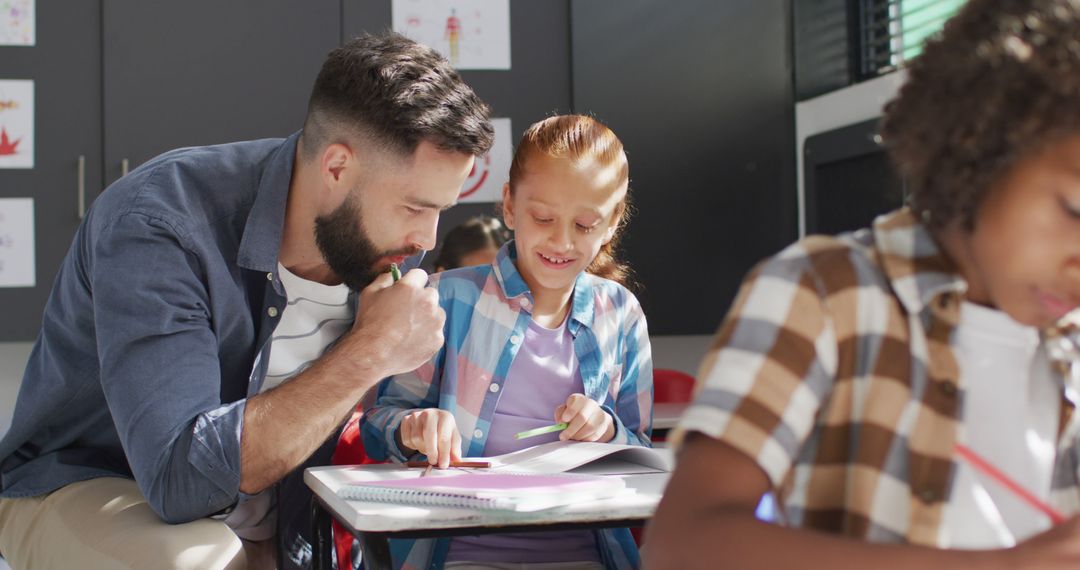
(672, 386)
(349, 451)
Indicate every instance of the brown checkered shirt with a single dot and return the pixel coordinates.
(834, 372)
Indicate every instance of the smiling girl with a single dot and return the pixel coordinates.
(545, 333)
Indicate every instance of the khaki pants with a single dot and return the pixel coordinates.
(106, 523)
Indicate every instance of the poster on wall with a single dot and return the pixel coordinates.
(472, 34)
(16, 123)
(490, 172)
(17, 242)
(17, 26)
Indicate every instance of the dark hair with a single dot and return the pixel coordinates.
(395, 93)
(474, 235)
(578, 137)
(1000, 83)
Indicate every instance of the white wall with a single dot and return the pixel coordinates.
(680, 352)
(13, 357)
(836, 109)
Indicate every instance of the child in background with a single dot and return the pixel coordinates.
(546, 333)
(850, 369)
(474, 242)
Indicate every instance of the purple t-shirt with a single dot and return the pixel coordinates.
(544, 373)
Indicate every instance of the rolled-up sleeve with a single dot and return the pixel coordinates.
(160, 368)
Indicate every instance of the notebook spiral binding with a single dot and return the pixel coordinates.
(421, 498)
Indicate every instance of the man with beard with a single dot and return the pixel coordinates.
(221, 311)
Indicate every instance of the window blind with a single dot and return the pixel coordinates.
(894, 31)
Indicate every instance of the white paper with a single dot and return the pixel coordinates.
(570, 456)
(472, 34)
(17, 26)
(16, 123)
(17, 242)
(490, 172)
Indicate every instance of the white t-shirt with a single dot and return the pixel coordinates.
(1011, 406)
(316, 315)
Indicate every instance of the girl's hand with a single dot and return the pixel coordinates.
(434, 433)
(588, 421)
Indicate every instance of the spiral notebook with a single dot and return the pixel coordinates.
(521, 492)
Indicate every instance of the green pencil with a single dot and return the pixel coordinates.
(395, 272)
(541, 430)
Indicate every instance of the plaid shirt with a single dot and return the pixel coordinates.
(488, 309)
(834, 371)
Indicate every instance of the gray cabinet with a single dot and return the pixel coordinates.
(203, 72)
(65, 66)
(120, 81)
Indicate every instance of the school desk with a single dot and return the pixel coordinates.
(373, 523)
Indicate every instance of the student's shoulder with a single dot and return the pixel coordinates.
(463, 282)
(191, 185)
(833, 262)
(608, 293)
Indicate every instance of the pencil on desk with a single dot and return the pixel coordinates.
(475, 464)
(984, 467)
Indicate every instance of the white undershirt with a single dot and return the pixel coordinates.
(1010, 418)
(315, 316)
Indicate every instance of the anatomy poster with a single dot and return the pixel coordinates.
(16, 242)
(17, 22)
(472, 34)
(16, 123)
(485, 182)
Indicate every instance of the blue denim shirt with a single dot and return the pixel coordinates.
(156, 332)
(151, 329)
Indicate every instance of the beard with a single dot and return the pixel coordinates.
(346, 247)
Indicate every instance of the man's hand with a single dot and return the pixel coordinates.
(434, 433)
(588, 421)
(403, 319)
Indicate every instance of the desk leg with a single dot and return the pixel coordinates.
(321, 556)
(375, 551)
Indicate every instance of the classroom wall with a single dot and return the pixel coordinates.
(700, 92)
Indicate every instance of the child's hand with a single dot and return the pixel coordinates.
(588, 421)
(434, 433)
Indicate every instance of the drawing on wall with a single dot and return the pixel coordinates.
(490, 172)
(16, 123)
(472, 34)
(17, 25)
(17, 242)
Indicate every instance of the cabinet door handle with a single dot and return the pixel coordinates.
(124, 167)
(82, 186)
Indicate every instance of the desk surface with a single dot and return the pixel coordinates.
(373, 517)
